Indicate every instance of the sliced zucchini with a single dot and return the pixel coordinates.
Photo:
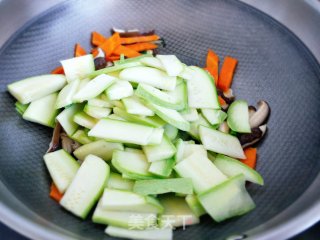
(176, 212)
(201, 170)
(227, 200)
(42, 111)
(116, 181)
(148, 75)
(220, 142)
(65, 118)
(238, 116)
(202, 91)
(126, 201)
(152, 62)
(113, 69)
(133, 59)
(180, 93)
(156, 136)
(195, 205)
(171, 131)
(86, 187)
(153, 121)
(99, 102)
(124, 219)
(194, 126)
(232, 167)
(148, 234)
(78, 67)
(170, 116)
(158, 97)
(131, 163)
(190, 114)
(84, 120)
(99, 148)
(162, 151)
(62, 168)
(81, 136)
(116, 117)
(189, 149)
(120, 89)
(97, 112)
(134, 106)
(94, 88)
(66, 94)
(214, 116)
(21, 108)
(33, 88)
(121, 131)
(162, 168)
(171, 64)
(160, 186)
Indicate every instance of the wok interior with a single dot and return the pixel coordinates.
(273, 65)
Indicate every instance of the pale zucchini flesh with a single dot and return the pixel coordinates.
(119, 89)
(84, 120)
(134, 106)
(171, 64)
(238, 116)
(65, 96)
(65, 118)
(162, 168)
(97, 112)
(116, 181)
(162, 151)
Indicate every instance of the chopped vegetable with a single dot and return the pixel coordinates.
(54, 193)
(139, 39)
(212, 65)
(226, 73)
(251, 157)
(97, 38)
(110, 44)
(58, 70)
(128, 52)
(139, 47)
(79, 51)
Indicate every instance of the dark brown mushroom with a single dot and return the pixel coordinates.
(261, 115)
(131, 32)
(55, 140)
(227, 96)
(248, 139)
(68, 144)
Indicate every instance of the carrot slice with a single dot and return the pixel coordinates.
(139, 39)
(79, 51)
(94, 52)
(97, 38)
(213, 65)
(221, 101)
(58, 70)
(226, 73)
(113, 58)
(110, 44)
(54, 193)
(251, 157)
(126, 51)
(139, 47)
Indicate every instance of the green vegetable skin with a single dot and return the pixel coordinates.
(134, 116)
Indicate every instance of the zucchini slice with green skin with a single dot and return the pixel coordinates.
(124, 220)
(162, 151)
(152, 62)
(65, 96)
(116, 181)
(81, 137)
(131, 163)
(160, 186)
(21, 108)
(190, 114)
(194, 126)
(94, 88)
(127, 201)
(84, 120)
(86, 187)
(214, 116)
(97, 112)
(171, 131)
(158, 97)
(232, 167)
(179, 212)
(42, 111)
(62, 168)
(148, 75)
(78, 67)
(238, 117)
(33, 88)
(133, 105)
(162, 168)
(115, 68)
(156, 136)
(202, 92)
(180, 93)
(148, 234)
(227, 200)
(170, 116)
(171, 64)
(220, 142)
(121, 131)
(65, 118)
(195, 205)
(101, 148)
(201, 170)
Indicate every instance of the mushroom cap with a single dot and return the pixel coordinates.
(261, 114)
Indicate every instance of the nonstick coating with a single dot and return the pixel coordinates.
(273, 65)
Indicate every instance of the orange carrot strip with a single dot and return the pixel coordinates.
(127, 52)
(113, 58)
(139, 39)
(97, 38)
(79, 51)
(110, 44)
(139, 47)
(213, 65)
(226, 73)
(222, 101)
(54, 193)
(94, 52)
(58, 70)
(251, 157)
